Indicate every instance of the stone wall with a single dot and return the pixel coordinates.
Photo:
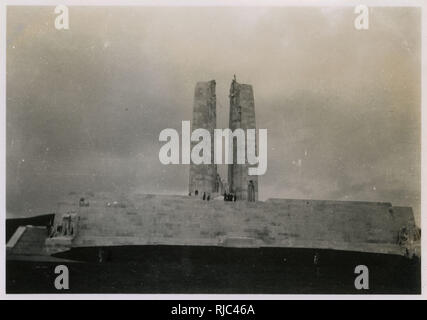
(183, 220)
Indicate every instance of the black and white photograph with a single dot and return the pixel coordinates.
(212, 149)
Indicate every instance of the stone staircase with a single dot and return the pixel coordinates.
(27, 240)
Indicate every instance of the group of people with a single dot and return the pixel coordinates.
(229, 197)
(206, 196)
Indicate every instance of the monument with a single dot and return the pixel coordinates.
(203, 177)
(167, 231)
(242, 115)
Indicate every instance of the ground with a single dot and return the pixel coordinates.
(173, 269)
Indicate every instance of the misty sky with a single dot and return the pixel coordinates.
(85, 106)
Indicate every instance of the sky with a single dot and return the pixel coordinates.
(85, 106)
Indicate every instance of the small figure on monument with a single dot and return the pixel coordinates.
(251, 191)
(204, 195)
(218, 184)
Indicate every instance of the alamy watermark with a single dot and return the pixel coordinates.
(201, 152)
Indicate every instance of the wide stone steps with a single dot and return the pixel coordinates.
(31, 241)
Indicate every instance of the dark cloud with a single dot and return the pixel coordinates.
(85, 106)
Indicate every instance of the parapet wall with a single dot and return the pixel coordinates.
(28, 240)
(183, 220)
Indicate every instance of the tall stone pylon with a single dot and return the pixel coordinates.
(242, 115)
(203, 176)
